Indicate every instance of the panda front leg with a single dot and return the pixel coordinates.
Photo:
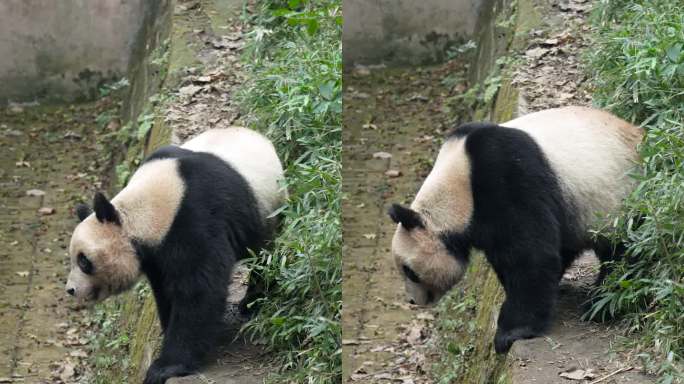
(193, 325)
(163, 307)
(526, 313)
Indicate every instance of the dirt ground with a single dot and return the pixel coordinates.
(49, 162)
(393, 121)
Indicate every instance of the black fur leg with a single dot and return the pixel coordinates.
(158, 372)
(255, 290)
(608, 253)
(193, 328)
(163, 309)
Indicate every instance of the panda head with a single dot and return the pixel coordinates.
(422, 258)
(103, 259)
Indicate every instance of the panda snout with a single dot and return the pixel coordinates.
(71, 291)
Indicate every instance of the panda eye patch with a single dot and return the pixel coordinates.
(85, 264)
(410, 274)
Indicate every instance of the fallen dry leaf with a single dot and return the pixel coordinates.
(418, 98)
(35, 192)
(15, 109)
(383, 376)
(22, 273)
(564, 96)
(72, 135)
(78, 353)
(360, 70)
(551, 42)
(45, 211)
(536, 53)
(393, 173)
(203, 79)
(68, 371)
(190, 90)
(370, 236)
(415, 335)
(578, 374)
(382, 155)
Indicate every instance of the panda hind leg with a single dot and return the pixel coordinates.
(255, 290)
(607, 252)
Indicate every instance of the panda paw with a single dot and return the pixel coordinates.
(158, 373)
(503, 341)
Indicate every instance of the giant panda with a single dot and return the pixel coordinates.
(527, 193)
(184, 219)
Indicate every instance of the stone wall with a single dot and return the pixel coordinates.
(66, 49)
(405, 32)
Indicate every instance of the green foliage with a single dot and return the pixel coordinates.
(482, 95)
(294, 59)
(637, 66)
(108, 338)
(109, 88)
(456, 313)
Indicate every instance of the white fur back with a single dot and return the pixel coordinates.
(252, 155)
(590, 150)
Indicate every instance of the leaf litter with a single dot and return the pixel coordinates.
(398, 126)
(207, 90)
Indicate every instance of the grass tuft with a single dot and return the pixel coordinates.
(294, 60)
(637, 69)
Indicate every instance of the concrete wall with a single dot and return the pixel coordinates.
(400, 32)
(64, 49)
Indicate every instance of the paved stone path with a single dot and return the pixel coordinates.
(386, 111)
(44, 149)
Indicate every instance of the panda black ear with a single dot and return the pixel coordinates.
(83, 211)
(407, 217)
(104, 210)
